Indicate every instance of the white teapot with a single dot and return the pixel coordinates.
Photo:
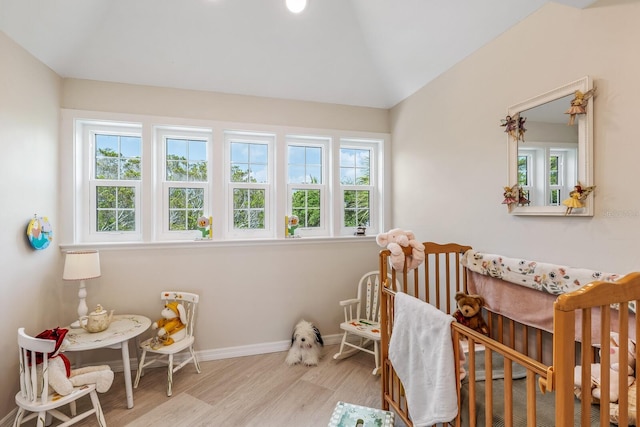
(96, 321)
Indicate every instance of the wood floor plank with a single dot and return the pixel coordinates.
(245, 391)
(189, 414)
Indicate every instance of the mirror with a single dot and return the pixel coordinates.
(552, 156)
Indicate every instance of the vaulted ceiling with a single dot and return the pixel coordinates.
(356, 52)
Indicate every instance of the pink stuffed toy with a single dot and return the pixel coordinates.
(616, 372)
(394, 240)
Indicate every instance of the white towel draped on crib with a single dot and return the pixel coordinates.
(421, 350)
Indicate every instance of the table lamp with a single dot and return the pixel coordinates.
(81, 265)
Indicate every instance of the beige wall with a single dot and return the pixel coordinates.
(29, 100)
(448, 135)
(123, 98)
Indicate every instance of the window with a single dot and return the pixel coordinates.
(250, 183)
(525, 169)
(111, 168)
(306, 187)
(543, 174)
(184, 167)
(555, 175)
(137, 180)
(356, 183)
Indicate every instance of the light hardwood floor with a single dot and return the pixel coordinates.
(247, 391)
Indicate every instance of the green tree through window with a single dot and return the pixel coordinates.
(355, 171)
(117, 160)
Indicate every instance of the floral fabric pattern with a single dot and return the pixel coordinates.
(551, 278)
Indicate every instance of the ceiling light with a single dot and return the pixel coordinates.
(296, 6)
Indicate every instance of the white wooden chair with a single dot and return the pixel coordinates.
(34, 394)
(361, 324)
(189, 301)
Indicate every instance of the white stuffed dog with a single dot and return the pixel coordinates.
(394, 240)
(306, 343)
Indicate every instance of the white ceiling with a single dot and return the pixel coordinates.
(356, 52)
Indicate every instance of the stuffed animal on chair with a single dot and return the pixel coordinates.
(394, 240)
(62, 379)
(171, 327)
(616, 372)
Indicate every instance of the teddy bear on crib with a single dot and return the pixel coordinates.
(616, 372)
(62, 379)
(469, 312)
(394, 240)
(172, 326)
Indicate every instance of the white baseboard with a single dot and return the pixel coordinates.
(230, 352)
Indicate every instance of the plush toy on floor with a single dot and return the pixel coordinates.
(469, 312)
(171, 327)
(306, 343)
(62, 379)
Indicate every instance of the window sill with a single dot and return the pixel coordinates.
(184, 244)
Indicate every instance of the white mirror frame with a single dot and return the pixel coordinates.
(585, 148)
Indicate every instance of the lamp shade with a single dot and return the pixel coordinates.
(81, 265)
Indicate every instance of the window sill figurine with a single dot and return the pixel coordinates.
(577, 197)
(579, 104)
(290, 224)
(205, 226)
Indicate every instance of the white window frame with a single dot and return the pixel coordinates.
(268, 139)
(78, 189)
(86, 200)
(324, 143)
(562, 176)
(375, 206)
(161, 134)
(530, 173)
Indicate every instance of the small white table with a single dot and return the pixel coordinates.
(123, 327)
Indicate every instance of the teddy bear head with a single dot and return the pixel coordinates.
(469, 305)
(395, 235)
(174, 310)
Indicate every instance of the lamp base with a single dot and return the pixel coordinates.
(76, 324)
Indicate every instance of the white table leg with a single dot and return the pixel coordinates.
(127, 373)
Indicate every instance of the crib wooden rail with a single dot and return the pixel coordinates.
(393, 393)
(606, 296)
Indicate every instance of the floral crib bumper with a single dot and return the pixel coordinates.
(551, 278)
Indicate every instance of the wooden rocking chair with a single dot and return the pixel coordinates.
(361, 324)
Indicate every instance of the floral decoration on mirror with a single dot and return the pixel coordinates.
(579, 104)
(514, 126)
(514, 196)
(577, 197)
